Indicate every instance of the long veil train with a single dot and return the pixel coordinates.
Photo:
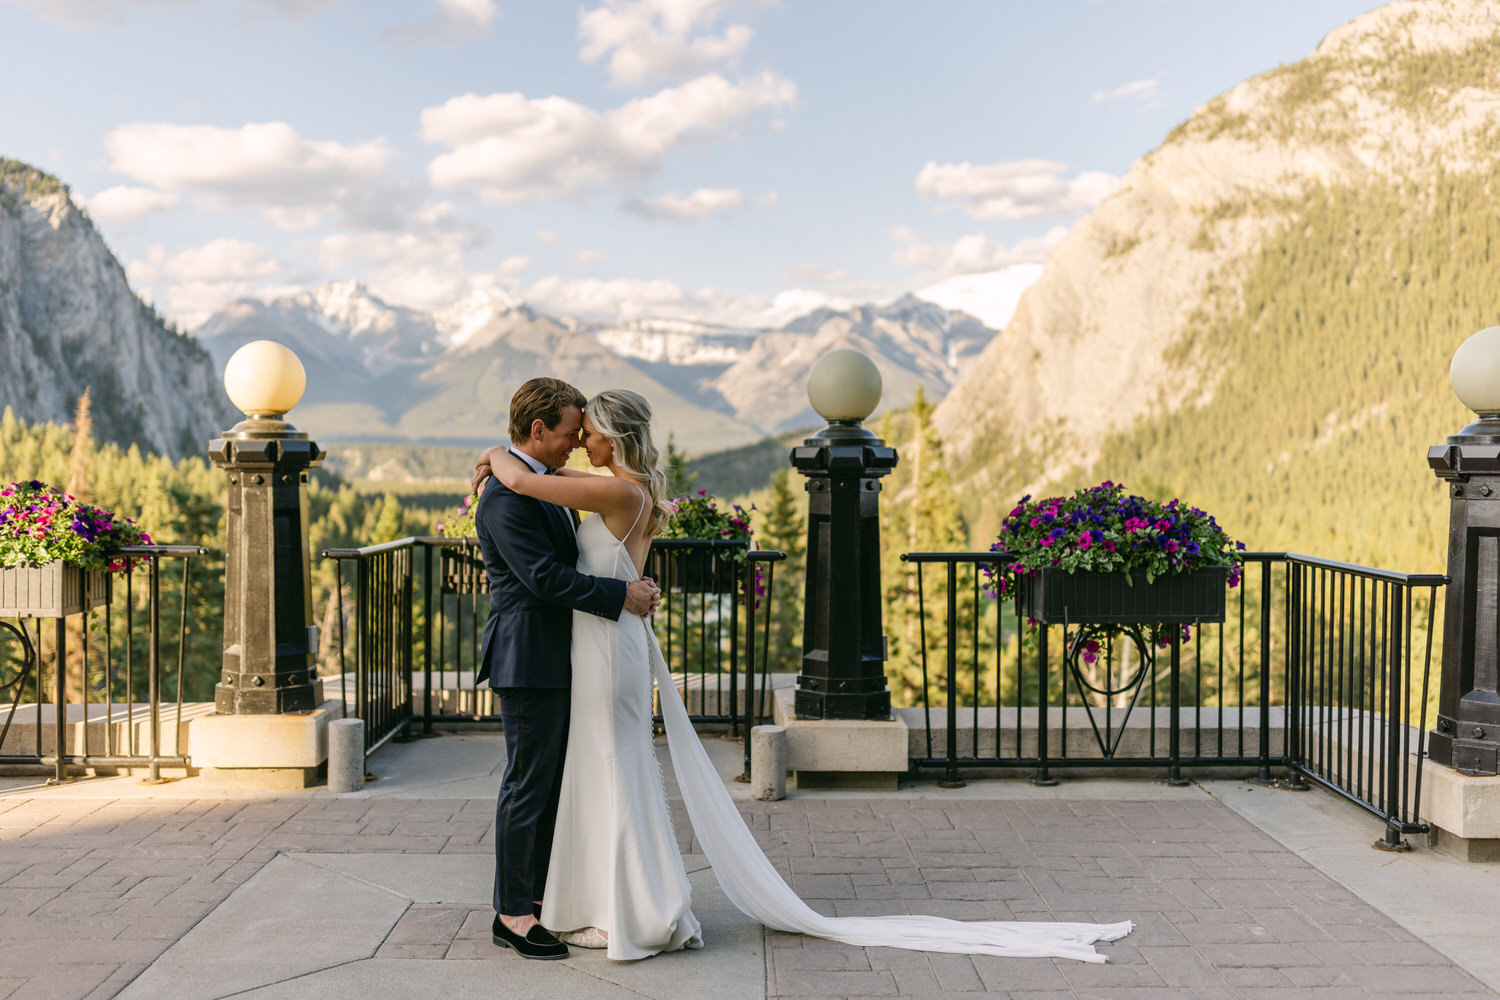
(754, 886)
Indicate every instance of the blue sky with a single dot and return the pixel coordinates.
(726, 160)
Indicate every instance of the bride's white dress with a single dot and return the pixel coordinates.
(615, 864)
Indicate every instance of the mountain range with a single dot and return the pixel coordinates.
(379, 372)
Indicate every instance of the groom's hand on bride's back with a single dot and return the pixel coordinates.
(642, 597)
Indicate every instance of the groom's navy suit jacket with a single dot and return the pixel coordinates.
(530, 551)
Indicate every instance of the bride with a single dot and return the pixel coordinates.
(616, 879)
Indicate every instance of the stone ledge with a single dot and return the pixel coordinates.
(287, 749)
(1464, 806)
(841, 753)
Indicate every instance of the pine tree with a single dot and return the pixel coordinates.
(784, 527)
(679, 478)
(922, 514)
(83, 446)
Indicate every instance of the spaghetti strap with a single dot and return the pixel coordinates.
(637, 513)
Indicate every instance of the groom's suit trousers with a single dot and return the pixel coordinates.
(536, 737)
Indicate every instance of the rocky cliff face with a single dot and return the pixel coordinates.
(69, 321)
(1111, 336)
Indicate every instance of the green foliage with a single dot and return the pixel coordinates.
(1102, 530)
(459, 522)
(40, 524)
(28, 179)
(699, 516)
(1120, 244)
(920, 513)
(679, 479)
(784, 529)
(1418, 80)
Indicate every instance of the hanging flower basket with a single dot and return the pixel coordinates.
(710, 569)
(1054, 596)
(1104, 558)
(56, 552)
(705, 571)
(53, 590)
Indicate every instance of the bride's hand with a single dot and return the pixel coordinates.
(484, 467)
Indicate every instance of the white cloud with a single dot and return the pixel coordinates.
(1021, 189)
(513, 265)
(1147, 92)
(420, 265)
(970, 254)
(222, 260)
(451, 22)
(594, 298)
(816, 274)
(260, 165)
(585, 257)
(97, 13)
(126, 205)
(698, 205)
(661, 39)
(547, 236)
(202, 279)
(512, 149)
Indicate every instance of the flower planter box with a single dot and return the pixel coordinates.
(461, 571)
(714, 574)
(52, 590)
(698, 571)
(1054, 596)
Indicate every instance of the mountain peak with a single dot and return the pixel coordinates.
(472, 313)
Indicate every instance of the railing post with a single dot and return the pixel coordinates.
(950, 772)
(427, 642)
(60, 668)
(1174, 725)
(1395, 723)
(1265, 673)
(747, 590)
(153, 675)
(1043, 777)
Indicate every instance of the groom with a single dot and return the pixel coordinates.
(529, 550)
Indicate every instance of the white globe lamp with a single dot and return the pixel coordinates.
(844, 386)
(1475, 372)
(264, 379)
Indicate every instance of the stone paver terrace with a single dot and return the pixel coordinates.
(112, 888)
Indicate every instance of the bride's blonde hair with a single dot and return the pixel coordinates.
(625, 418)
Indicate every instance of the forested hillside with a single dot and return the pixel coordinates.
(1261, 319)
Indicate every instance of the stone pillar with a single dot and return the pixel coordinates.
(1467, 737)
(844, 649)
(270, 641)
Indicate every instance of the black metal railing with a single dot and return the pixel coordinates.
(1361, 645)
(416, 609)
(1320, 669)
(97, 655)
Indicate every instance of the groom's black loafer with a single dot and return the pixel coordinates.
(537, 943)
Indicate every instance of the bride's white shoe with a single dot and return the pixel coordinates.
(587, 937)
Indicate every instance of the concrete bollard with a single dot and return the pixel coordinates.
(768, 763)
(346, 755)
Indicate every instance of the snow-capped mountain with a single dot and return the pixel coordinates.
(380, 371)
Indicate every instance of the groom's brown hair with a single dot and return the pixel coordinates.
(542, 399)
